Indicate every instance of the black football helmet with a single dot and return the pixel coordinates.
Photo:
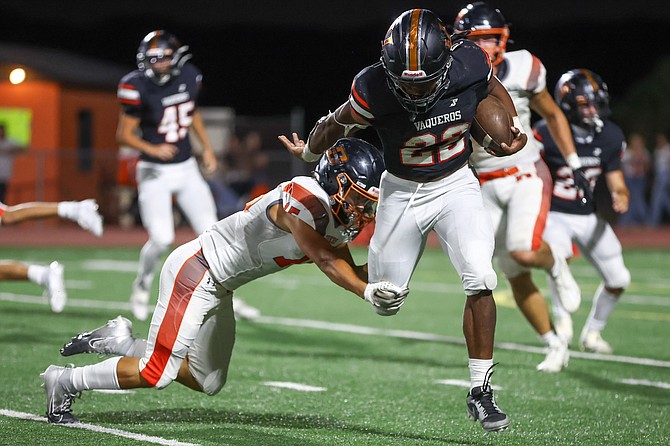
(584, 98)
(416, 57)
(350, 172)
(158, 46)
(478, 19)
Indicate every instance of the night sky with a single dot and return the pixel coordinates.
(266, 57)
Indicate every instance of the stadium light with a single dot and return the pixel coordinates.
(17, 76)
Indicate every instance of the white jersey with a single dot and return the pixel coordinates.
(248, 244)
(524, 76)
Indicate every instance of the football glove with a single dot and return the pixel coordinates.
(583, 185)
(385, 297)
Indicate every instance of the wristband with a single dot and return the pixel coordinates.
(308, 155)
(573, 161)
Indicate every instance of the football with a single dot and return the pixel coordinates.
(491, 126)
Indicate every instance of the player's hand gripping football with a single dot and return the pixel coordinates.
(385, 297)
(518, 143)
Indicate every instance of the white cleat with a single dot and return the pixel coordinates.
(88, 217)
(567, 289)
(563, 327)
(592, 341)
(55, 288)
(59, 401)
(243, 310)
(113, 338)
(139, 302)
(556, 359)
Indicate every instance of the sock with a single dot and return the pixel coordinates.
(478, 369)
(68, 209)
(556, 306)
(38, 274)
(603, 304)
(550, 338)
(97, 376)
(149, 257)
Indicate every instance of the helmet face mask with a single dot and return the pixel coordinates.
(350, 172)
(416, 59)
(161, 56)
(479, 20)
(584, 98)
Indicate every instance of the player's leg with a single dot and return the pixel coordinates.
(602, 249)
(400, 231)
(155, 202)
(48, 277)
(558, 234)
(465, 232)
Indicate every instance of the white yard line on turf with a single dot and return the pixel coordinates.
(294, 386)
(101, 429)
(645, 382)
(348, 328)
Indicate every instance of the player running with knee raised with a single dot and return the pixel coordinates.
(517, 188)
(421, 99)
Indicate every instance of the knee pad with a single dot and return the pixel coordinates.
(622, 280)
(486, 281)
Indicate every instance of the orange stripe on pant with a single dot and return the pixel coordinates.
(189, 276)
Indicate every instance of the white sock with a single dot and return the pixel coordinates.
(550, 338)
(68, 209)
(478, 369)
(97, 376)
(603, 304)
(149, 257)
(556, 306)
(38, 274)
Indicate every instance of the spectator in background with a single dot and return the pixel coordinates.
(243, 174)
(660, 193)
(9, 148)
(636, 164)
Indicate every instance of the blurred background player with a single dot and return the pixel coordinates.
(159, 100)
(420, 99)
(584, 98)
(660, 192)
(517, 188)
(192, 331)
(85, 213)
(636, 165)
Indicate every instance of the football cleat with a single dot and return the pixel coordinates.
(113, 338)
(567, 289)
(55, 287)
(89, 218)
(243, 310)
(139, 302)
(563, 328)
(556, 359)
(592, 341)
(59, 400)
(482, 407)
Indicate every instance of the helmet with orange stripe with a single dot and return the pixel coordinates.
(161, 56)
(482, 22)
(416, 58)
(350, 172)
(584, 98)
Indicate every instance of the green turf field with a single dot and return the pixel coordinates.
(373, 380)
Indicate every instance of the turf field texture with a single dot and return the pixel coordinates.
(320, 368)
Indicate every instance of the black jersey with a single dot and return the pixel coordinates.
(599, 153)
(426, 146)
(165, 112)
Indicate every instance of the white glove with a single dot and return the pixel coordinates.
(385, 297)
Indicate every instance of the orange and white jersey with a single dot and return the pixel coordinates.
(524, 76)
(3, 207)
(248, 244)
